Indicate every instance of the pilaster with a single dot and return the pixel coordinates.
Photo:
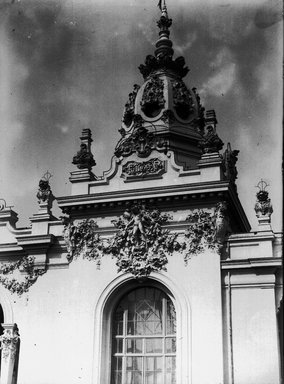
(10, 341)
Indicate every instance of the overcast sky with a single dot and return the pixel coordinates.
(67, 65)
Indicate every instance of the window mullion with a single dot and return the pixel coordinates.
(125, 317)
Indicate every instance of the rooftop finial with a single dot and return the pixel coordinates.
(263, 207)
(163, 59)
(164, 44)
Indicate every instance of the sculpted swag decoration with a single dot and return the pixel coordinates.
(141, 243)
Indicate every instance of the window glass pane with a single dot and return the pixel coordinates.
(171, 318)
(134, 345)
(154, 378)
(170, 378)
(117, 370)
(154, 363)
(134, 378)
(134, 363)
(170, 363)
(119, 314)
(118, 328)
(170, 345)
(117, 377)
(118, 345)
(154, 345)
(117, 363)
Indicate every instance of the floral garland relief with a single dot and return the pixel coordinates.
(17, 284)
(206, 231)
(140, 245)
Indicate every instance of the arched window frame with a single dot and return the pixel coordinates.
(103, 325)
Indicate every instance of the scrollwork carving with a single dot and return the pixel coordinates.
(146, 168)
(140, 141)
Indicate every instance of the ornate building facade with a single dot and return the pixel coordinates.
(151, 274)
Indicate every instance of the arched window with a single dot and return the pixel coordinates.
(144, 338)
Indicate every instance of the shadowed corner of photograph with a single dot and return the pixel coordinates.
(140, 198)
(269, 13)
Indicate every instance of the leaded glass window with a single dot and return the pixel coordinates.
(144, 338)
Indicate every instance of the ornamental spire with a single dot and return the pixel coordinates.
(163, 59)
(164, 44)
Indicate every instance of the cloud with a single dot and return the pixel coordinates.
(224, 75)
(12, 76)
(190, 38)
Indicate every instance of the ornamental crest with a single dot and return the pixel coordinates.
(153, 97)
(182, 99)
(141, 243)
(153, 167)
(140, 141)
(129, 106)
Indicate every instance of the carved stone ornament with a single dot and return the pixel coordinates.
(263, 206)
(44, 194)
(164, 52)
(163, 62)
(84, 158)
(200, 120)
(140, 141)
(153, 97)
(129, 106)
(206, 231)
(210, 141)
(82, 240)
(141, 243)
(9, 343)
(153, 167)
(230, 159)
(182, 99)
(168, 116)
